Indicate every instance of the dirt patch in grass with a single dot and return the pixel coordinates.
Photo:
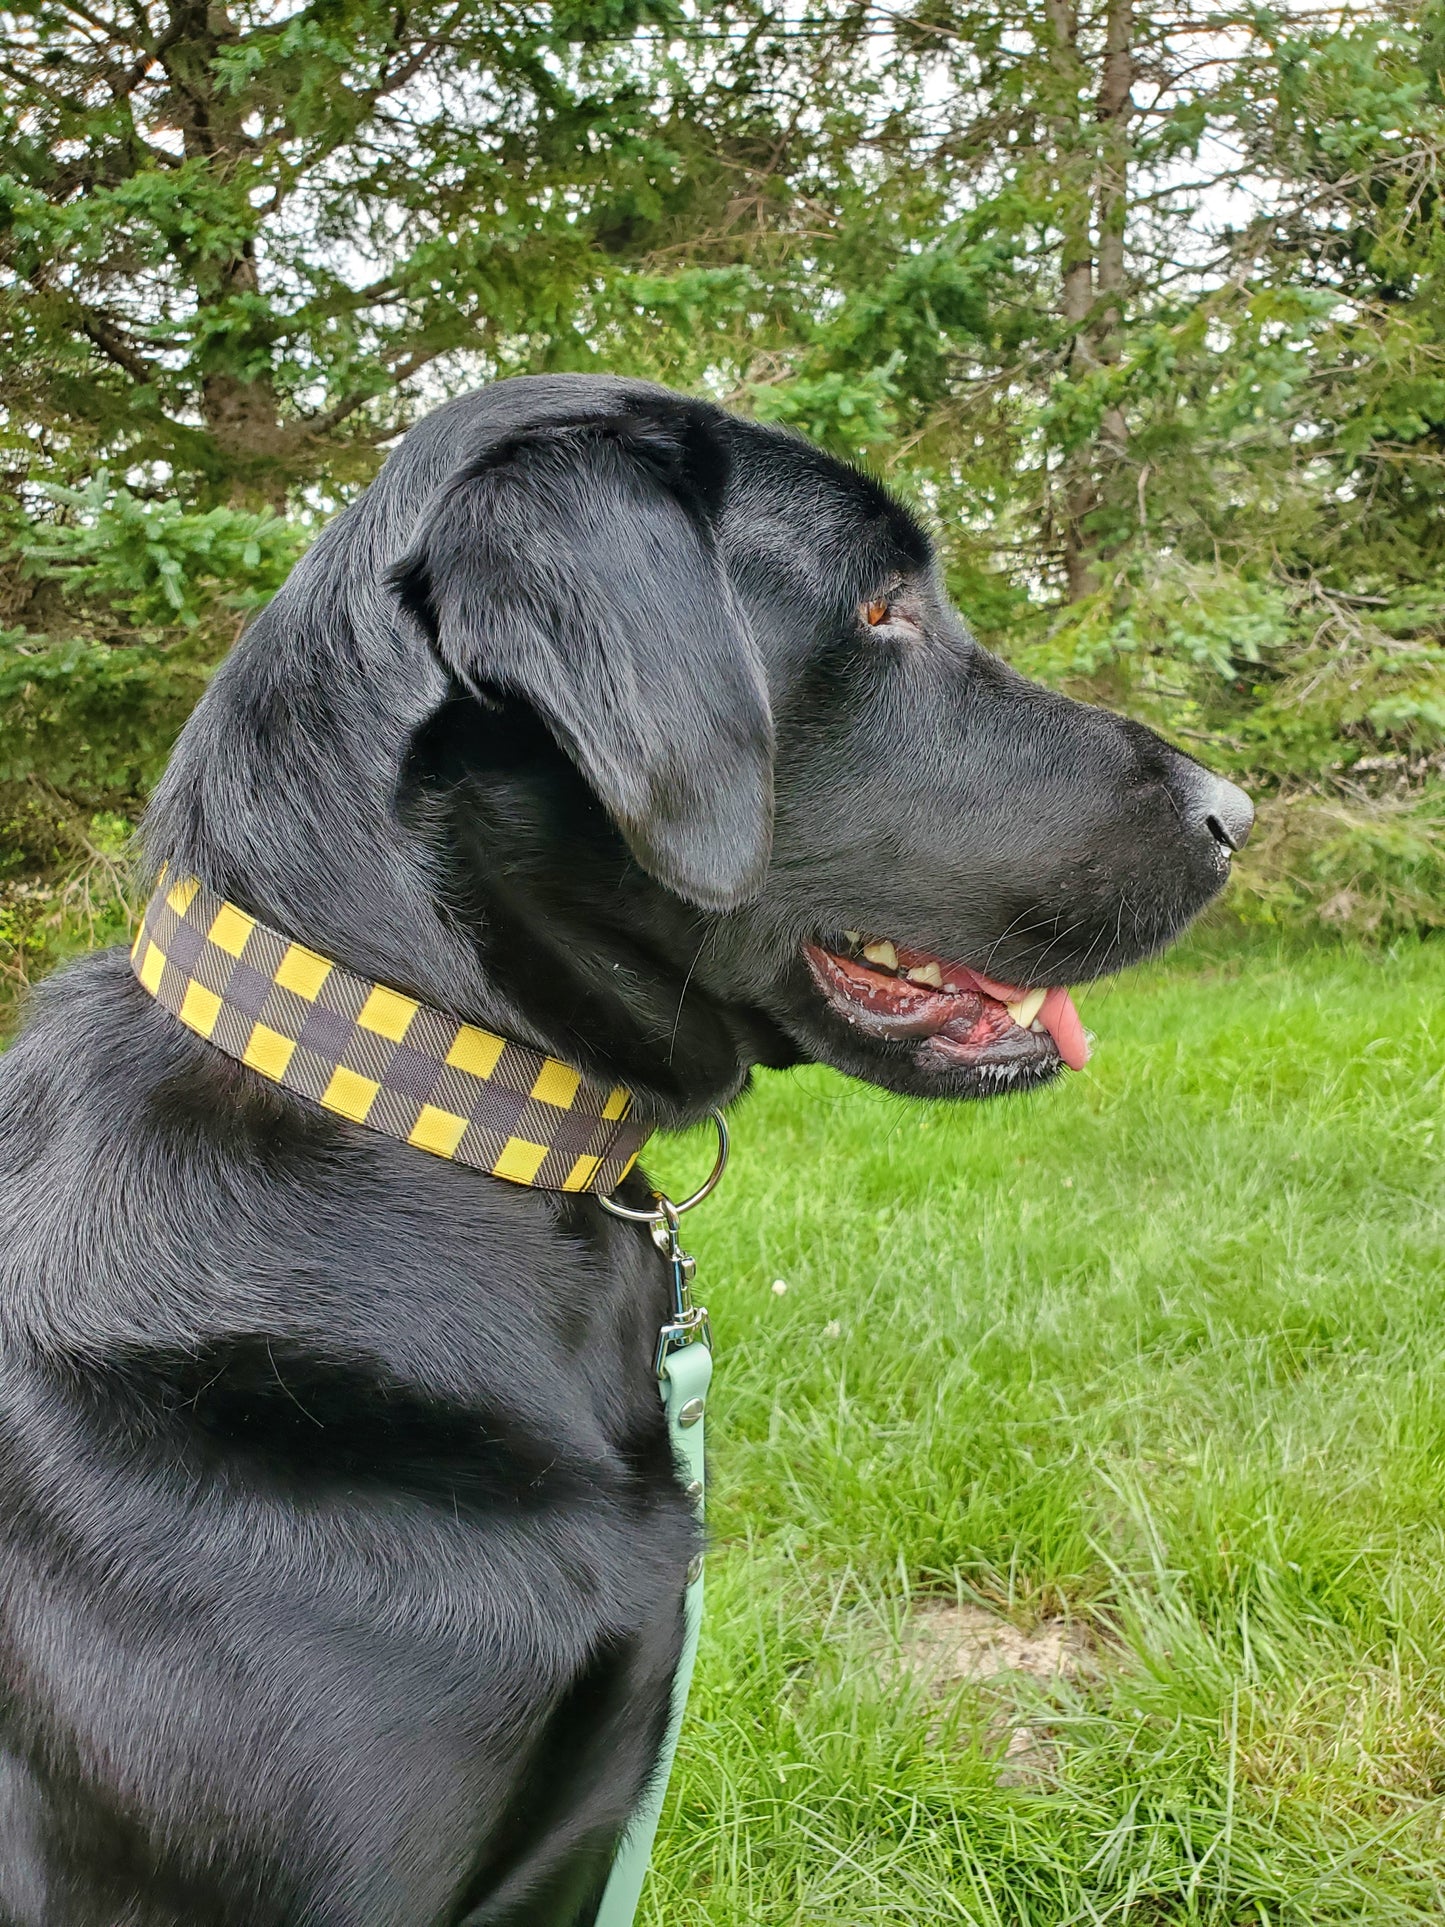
(946, 1645)
(949, 1643)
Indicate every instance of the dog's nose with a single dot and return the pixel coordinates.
(1222, 808)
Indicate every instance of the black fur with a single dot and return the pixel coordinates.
(341, 1555)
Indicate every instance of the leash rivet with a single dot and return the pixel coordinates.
(694, 1570)
(691, 1412)
(693, 1491)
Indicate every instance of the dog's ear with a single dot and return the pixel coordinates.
(575, 565)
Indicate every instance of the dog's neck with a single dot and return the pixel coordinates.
(564, 925)
(489, 884)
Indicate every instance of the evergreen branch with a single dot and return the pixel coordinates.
(418, 359)
(114, 346)
(32, 84)
(311, 426)
(112, 35)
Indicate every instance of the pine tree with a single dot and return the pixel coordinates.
(1142, 303)
(235, 238)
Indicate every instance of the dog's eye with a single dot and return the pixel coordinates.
(875, 612)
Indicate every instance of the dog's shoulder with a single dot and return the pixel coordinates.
(138, 1163)
(82, 1049)
(155, 1194)
(100, 1077)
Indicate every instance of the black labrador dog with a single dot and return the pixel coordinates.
(341, 1550)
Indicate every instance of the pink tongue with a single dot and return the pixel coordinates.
(1058, 1017)
(1062, 1022)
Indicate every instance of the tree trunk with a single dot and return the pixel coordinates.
(1093, 201)
(1073, 163)
(238, 393)
(1074, 174)
(243, 413)
(1116, 106)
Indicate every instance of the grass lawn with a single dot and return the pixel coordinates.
(1152, 1367)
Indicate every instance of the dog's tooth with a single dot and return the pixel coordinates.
(881, 953)
(1039, 1027)
(928, 973)
(1027, 1008)
(855, 937)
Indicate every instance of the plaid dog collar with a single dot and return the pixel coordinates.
(376, 1057)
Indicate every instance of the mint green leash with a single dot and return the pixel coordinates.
(684, 1370)
(684, 1392)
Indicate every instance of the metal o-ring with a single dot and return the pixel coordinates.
(665, 1208)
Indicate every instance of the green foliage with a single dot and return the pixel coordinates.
(1368, 864)
(129, 603)
(200, 173)
(48, 918)
(145, 595)
(1205, 482)
(88, 719)
(148, 564)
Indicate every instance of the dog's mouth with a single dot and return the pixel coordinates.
(958, 1018)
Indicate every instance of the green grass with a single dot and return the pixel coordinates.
(1162, 1350)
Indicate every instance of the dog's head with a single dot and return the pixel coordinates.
(745, 652)
(706, 770)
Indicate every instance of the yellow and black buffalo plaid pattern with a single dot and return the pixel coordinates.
(376, 1057)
